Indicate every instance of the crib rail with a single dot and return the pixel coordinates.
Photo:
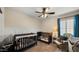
(24, 41)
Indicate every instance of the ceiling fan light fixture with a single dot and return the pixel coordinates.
(47, 9)
(44, 16)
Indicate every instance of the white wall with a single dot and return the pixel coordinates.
(49, 24)
(2, 21)
(18, 22)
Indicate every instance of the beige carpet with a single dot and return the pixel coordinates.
(43, 47)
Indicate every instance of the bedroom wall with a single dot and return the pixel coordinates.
(18, 22)
(50, 25)
(2, 21)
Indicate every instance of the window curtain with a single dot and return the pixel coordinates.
(76, 26)
(58, 22)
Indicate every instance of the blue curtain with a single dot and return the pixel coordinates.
(76, 26)
(58, 22)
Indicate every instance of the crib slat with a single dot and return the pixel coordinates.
(22, 42)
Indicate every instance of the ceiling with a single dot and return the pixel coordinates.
(58, 10)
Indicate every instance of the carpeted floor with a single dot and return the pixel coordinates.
(43, 47)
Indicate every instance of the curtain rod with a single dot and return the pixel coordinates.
(67, 16)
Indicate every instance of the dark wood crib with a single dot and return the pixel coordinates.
(45, 37)
(23, 41)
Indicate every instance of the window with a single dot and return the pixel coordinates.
(66, 25)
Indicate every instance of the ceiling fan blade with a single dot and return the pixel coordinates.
(44, 13)
(0, 11)
(51, 13)
(38, 12)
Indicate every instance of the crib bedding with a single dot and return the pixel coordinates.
(5, 40)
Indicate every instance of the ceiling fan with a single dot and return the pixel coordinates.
(0, 11)
(44, 13)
